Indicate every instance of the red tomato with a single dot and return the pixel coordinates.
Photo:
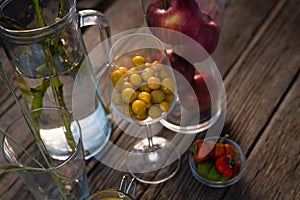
(227, 166)
(229, 149)
(200, 150)
(221, 149)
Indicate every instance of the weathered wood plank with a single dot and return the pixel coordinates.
(264, 77)
(273, 165)
(241, 22)
(121, 16)
(88, 4)
(100, 5)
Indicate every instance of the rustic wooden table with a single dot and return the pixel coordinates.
(261, 75)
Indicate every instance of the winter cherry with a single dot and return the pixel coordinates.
(127, 95)
(145, 96)
(135, 79)
(115, 76)
(138, 60)
(154, 111)
(147, 73)
(167, 85)
(157, 96)
(139, 107)
(164, 106)
(154, 82)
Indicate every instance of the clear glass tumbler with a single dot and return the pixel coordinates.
(51, 169)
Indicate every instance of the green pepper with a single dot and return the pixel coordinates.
(208, 171)
(204, 168)
(214, 175)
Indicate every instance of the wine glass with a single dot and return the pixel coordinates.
(143, 91)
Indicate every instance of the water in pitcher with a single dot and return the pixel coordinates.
(38, 91)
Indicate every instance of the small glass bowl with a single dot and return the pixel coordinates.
(240, 157)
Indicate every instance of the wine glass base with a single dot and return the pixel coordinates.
(155, 165)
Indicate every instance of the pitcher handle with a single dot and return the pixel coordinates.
(95, 18)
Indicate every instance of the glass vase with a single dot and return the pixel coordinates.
(194, 46)
(51, 169)
(45, 47)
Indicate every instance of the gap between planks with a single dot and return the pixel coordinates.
(260, 32)
(282, 99)
(239, 62)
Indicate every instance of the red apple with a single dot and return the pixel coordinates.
(201, 80)
(179, 15)
(186, 17)
(209, 33)
(181, 65)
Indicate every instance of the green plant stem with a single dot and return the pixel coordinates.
(57, 87)
(63, 191)
(39, 13)
(11, 167)
(12, 22)
(29, 122)
(38, 93)
(56, 84)
(61, 11)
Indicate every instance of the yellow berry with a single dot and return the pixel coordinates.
(163, 74)
(164, 106)
(157, 96)
(126, 110)
(154, 82)
(116, 98)
(139, 107)
(154, 112)
(140, 117)
(170, 97)
(168, 85)
(126, 85)
(135, 79)
(123, 69)
(145, 97)
(147, 73)
(132, 69)
(148, 105)
(115, 76)
(128, 95)
(144, 88)
(138, 60)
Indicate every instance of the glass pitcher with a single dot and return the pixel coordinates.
(43, 42)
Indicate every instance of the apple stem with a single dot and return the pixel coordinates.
(165, 4)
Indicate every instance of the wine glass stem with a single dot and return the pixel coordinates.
(149, 136)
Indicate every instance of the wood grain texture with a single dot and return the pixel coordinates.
(122, 16)
(273, 165)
